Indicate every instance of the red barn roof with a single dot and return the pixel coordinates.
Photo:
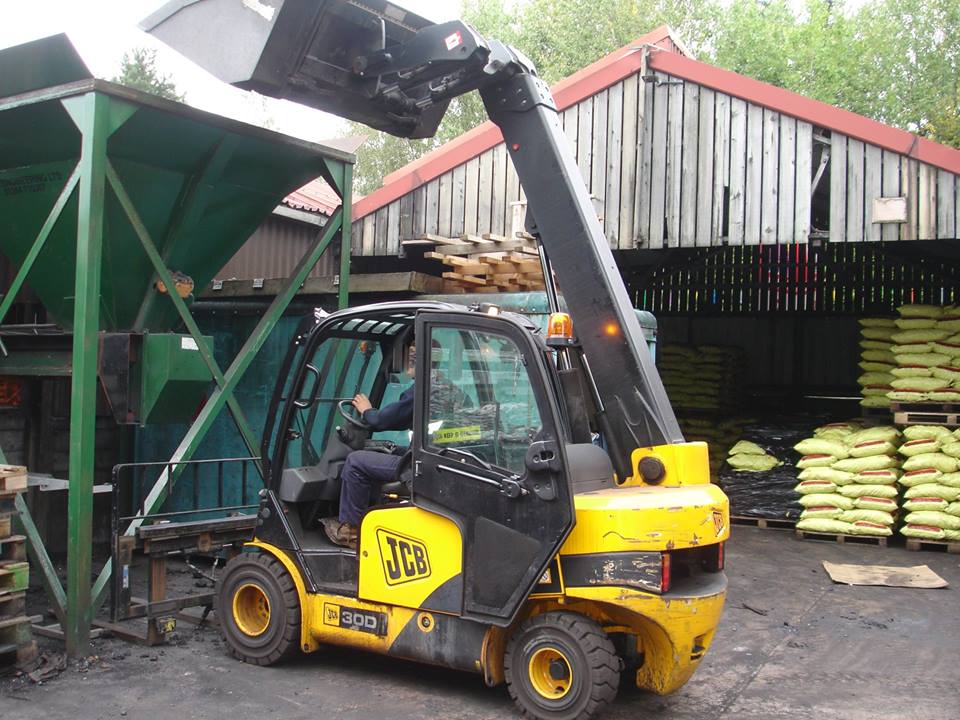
(667, 55)
(316, 197)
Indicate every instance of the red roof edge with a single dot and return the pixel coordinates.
(590, 80)
(807, 109)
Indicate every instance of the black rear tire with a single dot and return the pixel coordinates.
(258, 609)
(561, 666)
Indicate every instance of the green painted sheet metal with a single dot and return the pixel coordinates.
(200, 183)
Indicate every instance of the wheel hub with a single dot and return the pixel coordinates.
(550, 674)
(251, 610)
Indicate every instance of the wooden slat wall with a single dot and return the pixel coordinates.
(673, 164)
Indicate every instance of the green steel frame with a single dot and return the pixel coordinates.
(97, 115)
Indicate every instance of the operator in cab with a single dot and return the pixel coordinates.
(366, 470)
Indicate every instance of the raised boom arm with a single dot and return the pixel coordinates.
(378, 64)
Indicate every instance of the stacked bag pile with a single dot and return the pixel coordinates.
(717, 434)
(747, 456)
(877, 361)
(926, 349)
(706, 378)
(848, 480)
(932, 482)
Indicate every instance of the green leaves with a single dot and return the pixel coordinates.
(139, 70)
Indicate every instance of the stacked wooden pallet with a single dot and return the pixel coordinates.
(17, 646)
(483, 263)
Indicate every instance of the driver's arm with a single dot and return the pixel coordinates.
(395, 416)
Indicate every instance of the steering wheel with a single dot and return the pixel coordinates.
(346, 410)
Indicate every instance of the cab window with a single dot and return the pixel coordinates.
(481, 399)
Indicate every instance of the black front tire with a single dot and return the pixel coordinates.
(561, 666)
(258, 609)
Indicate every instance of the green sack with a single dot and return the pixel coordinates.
(873, 447)
(920, 384)
(921, 432)
(865, 527)
(821, 446)
(920, 311)
(871, 462)
(844, 428)
(876, 322)
(858, 490)
(837, 477)
(823, 525)
(875, 345)
(907, 337)
(880, 432)
(929, 360)
(912, 348)
(946, 348)
(937, 490)
(953, 509)
(829, 513)
(874, 503)
(950, 479)
(934, 518)
(951, 324)
(922, 532)
(884, 356)
(875, 378)
(876, 391)
(875, 516)
(925, 504)
(943, 463)
(753, 463)
(946, 396)
(919, 447)
(826, 500)
(807, 487)
(951, 535)
(819, 460)
(904, 372)
(908, 396)
(919, 477)
(875, 401)
(874, 366)
(745, 447)
(877, 477)
(878, 333)
(951, 447)
(916, 323)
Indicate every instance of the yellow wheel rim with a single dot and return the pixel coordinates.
(251, 610)
(550, 673)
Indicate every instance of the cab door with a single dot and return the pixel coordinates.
(488, 454)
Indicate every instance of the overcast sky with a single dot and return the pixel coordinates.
(103, 30)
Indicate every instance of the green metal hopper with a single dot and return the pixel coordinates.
(114, 206)
(201, 184)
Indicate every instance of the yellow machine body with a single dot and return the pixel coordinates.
(408, 555)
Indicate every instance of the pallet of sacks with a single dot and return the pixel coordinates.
(931, 478)
(705, 378)
(926, 351)
(848, 480)
(877, 361)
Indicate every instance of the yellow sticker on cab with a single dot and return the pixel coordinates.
(470, 433)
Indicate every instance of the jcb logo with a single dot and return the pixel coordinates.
(404, 558)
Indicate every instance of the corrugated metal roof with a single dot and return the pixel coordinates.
(316, 196)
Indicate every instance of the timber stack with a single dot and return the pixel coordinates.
(17, 647)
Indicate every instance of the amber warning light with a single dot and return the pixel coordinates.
(560, 326)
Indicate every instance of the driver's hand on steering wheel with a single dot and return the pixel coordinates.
(362, 403)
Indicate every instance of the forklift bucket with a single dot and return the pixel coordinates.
(305, 51)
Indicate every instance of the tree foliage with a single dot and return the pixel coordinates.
(897, 61)
(138, 69)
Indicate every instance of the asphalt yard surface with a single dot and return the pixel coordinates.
(791, 645)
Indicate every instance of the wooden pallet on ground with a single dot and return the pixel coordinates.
(483, 263)
(17, 646)
(6, 525)
(843, 539)
(949, 546)
(763, 523)
(947, 414)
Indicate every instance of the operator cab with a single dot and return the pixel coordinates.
(488, 450)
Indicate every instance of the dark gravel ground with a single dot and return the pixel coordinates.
(803, 648)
